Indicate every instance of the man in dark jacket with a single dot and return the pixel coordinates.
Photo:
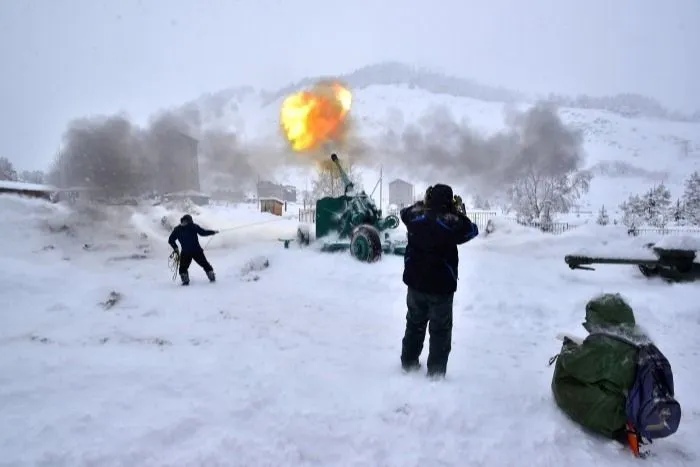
(592, 377)
(435, 228)
(187, 234)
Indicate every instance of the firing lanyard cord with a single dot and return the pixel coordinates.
(174, 258)
(242, 227)
(174, 263)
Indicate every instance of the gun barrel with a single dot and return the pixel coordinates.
(344, 176)
(575, 261)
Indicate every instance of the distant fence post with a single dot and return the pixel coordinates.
(307, 216)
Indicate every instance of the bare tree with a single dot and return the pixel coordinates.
(328, 181)
(537, 192)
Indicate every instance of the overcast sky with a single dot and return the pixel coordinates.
(61, 59)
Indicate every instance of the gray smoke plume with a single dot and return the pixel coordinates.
(440, 148)
(116, 157)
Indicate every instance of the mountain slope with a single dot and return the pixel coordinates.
(627, 155)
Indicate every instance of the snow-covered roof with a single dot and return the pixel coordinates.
(188, 193)
(22, 186)
(398, 181)
(271, 198)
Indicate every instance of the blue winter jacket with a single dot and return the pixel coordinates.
(187, 235)
(431, 259)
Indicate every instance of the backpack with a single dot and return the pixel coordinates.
(651, 407)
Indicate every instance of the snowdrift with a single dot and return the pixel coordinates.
(509, 236)
(36, 225)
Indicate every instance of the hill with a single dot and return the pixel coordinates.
(631, 143)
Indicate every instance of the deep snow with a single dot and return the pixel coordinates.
(298, 363)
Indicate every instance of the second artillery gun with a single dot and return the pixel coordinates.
(671, 264)
(351, 222)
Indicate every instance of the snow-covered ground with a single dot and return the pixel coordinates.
(298, 363)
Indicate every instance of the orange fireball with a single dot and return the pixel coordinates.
(311, 118)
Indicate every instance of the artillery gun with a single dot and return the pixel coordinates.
(671, 264)
(351, 222)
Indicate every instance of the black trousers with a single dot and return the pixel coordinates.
(186, 258)
(433, 313)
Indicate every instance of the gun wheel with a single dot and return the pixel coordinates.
(365, 244)
(303, 235)
(391, 222)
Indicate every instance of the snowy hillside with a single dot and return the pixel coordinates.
(627, 155)
(104, 360)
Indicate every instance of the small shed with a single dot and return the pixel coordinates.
(272, 205)
(32, 190)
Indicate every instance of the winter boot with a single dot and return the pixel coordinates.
(435, 375)
(185, 278)
(211, 276)
(409, 367)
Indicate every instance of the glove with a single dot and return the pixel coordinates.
(459, 204)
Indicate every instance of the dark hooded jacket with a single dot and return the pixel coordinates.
(435, 229)
(591, 380)
(187, 235)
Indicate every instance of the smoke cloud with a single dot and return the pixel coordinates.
(116, 157)
(440, 148)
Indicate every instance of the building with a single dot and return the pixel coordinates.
(233, 196)
(267, 189)
(200, 199)
(401, 193)
(178, 162)
(272, 205)
(31, 190)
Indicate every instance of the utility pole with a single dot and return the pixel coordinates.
(381, 182)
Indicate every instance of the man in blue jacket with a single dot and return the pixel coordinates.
(187, 234)
(435, 227)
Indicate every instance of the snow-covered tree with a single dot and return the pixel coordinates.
(32, 176)
(603, 218)
(536, 190)
(677, 214)
(546, 220)
(7, 170)
(691, 199)
(632, 211)
(481, 203)
(652, 208)
(658, 206)
(328, 181)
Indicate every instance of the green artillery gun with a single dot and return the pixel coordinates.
(673, 265)
(351, 222)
